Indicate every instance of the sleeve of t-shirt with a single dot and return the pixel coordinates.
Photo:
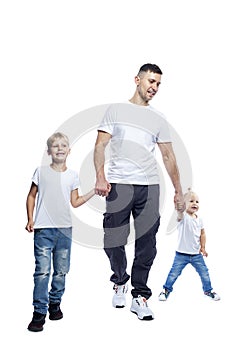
(35, 177)
(164, 133)
(201, 223)
(107, 123)
(182, 220)
(76, 183)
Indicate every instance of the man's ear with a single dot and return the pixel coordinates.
(137, 80)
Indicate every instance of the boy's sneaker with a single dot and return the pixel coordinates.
(164, 295)
(37, 322)
(55, 312)
(119, 299)
(140, 308)
(212, 295)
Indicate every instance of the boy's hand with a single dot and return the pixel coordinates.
(29, 227)
(102, 188)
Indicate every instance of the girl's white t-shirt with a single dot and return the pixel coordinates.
(189, 232)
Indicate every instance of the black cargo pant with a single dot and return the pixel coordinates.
(143, 203)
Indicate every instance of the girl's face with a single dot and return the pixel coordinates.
(59, 150)
(192, 204)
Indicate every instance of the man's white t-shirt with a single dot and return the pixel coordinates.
(189, 232)
(135, 130)
(53, 200)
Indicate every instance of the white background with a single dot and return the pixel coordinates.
(61, 57)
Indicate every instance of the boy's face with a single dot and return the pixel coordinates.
(59, 150)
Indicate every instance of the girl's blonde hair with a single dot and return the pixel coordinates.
(57, 135)
(189, 193)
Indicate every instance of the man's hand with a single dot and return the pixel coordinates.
(179, 202)
(102, 188)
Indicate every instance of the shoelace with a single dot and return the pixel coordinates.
(141, 301)
(119, 290)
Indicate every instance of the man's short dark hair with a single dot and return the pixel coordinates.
(149, 67)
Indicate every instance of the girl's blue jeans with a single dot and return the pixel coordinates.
(179, 263)
(52, 248)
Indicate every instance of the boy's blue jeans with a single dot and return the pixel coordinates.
(179, 263)
(52, 247)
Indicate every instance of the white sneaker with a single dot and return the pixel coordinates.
(119, 299)
(212, 295)
(140, 308)
(164, 295)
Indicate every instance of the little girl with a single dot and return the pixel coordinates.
(190, 249)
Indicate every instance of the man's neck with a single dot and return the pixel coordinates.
(136, 99)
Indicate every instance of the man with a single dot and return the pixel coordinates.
(132, 185)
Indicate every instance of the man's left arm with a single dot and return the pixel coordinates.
(169, 160)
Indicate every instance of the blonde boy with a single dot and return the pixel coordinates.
(53, 189)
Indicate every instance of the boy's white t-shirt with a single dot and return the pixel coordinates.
(189, 232)
(53, 200)
(135, 130)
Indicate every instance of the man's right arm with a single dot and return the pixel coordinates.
(102, 186)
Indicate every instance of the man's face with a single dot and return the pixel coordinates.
(147, 85)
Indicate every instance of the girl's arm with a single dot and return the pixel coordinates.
(180, 215)
(203, 242)
(30, 205)
(77, 200)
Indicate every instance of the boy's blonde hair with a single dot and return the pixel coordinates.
(57, 135)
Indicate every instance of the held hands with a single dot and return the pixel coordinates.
(179, 202)
(179, 205)
(102, 188)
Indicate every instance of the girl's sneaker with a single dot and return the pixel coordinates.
(212, 295)
(164, 295)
